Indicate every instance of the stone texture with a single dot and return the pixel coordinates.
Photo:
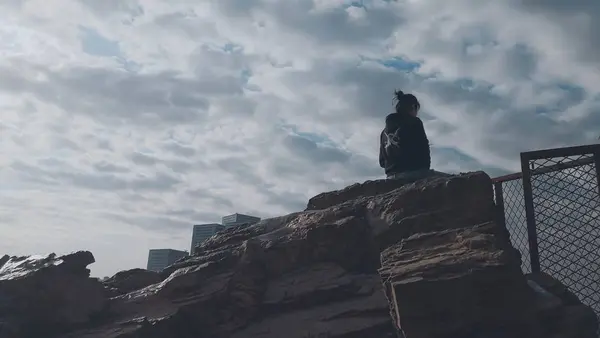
(131, 280)
(463, 280)
(322, 301)
(41, 296)
(354, 191)
(318, 273)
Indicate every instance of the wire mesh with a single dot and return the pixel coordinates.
(566, 205)
(515, 219)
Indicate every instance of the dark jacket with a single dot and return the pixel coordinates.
(409, 146)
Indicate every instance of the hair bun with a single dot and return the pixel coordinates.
(399, 94)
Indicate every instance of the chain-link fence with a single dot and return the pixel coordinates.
(552, 211)
(563, 198)
(508, 191)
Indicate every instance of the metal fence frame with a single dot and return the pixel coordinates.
(519, 240)
(587, 155)
(528, 171)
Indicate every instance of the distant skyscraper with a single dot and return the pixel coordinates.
(158, 259)
(202, 232)
(239, 219)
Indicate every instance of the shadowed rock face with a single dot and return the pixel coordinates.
(467, 279)
(131, 280)
(43, 296)
(372, 260)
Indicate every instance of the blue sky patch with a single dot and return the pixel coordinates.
(396, 63)
(246, 75)
(359, 4)
(401, 64)
(317, 138)
(232, 47)
(470, 84)
(95, 44)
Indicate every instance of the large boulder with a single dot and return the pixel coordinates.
(358, 190)
(42, 296)
(377, 259)
(307, 274)
(463, 280)
(304, 277)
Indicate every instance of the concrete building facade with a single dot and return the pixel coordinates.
(158, 259)
(202, 232)
(239, 219)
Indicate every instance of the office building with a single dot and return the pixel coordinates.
(239, 219)
(202, 232)
(158, 259)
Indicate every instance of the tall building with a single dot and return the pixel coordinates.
(202, 232)
(239, 219)
(158, 259)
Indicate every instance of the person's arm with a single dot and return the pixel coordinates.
(422, 151)
(381, 151)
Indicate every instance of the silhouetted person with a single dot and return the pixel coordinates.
(404, 147)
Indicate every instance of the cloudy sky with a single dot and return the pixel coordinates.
(122, 123)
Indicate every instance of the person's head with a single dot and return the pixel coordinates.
(406, 103)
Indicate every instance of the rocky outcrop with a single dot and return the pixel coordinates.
(465, 280)
(43, 296)
(354, 191)
(376, 259)
(131, 280)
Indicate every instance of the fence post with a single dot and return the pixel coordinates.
(530, 214)
(597, 165)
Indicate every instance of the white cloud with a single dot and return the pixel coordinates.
(123, 123)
